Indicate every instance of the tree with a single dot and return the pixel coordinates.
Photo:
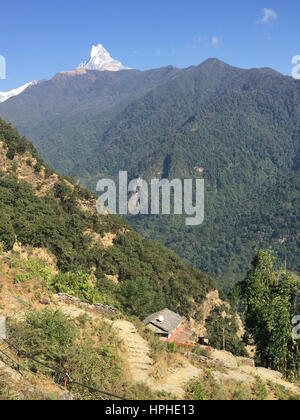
(269, 298)
(7, 233)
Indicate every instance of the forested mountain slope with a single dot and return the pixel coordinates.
(53, 243)
(54, 113)
(239, 129)
(42, 210)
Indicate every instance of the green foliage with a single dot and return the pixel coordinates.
(241, 393)
(241, 127)
(46, 335)
(87, 352)
(260, 389)
(76, 284)
(197, 391)
(48, 172)
(172, 348)
(199, 315)
(150, 276)
(202, 351)
(282, 393)
(14, 142)
(20, 278)
(270, 301)
(204, 389)
(7, 233)
(39, 270)
(146, 283)
(5, 393)
(157, 347)
(57, 223)
(172, 121)
(2, 248)
(38, 166)
(222, 329)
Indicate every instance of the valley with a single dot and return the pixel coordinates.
(240, 127)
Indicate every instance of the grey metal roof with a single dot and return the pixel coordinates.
(169, 324)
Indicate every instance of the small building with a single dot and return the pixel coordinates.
(164, 323)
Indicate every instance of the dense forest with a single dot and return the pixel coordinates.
(150, 276)
(271, 300)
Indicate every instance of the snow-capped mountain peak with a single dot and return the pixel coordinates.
(4, 96)
(101, 60)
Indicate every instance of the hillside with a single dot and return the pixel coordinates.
(52, 241)
(49, 111)
(113, 354)
(238, 128)
(74, 286)
(96, 258)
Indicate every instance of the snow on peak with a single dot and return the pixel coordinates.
(101, 60)
(4, 96)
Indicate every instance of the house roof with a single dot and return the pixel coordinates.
(166, 321)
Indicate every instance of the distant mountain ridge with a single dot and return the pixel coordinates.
(72, 98)
(100, 60)
(4, 96)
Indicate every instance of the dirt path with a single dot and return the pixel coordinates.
(138, 351)
(138, 360)
(141, 365)
(174, 380)
(137, 357)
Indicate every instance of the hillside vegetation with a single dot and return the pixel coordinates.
(45, 211)
(53, 243)
(238, 129)
(113, 354)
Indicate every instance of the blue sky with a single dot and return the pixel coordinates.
(40, 38)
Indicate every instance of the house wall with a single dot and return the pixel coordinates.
(174, 332)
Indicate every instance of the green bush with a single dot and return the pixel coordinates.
(47, 335)
(86, 351)
(204, 388)
(20, 278)
(172, 348)
(197, 391)
(39, 270)
(260, 389)
(76, 284)
(7, 233)
(223, 330)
